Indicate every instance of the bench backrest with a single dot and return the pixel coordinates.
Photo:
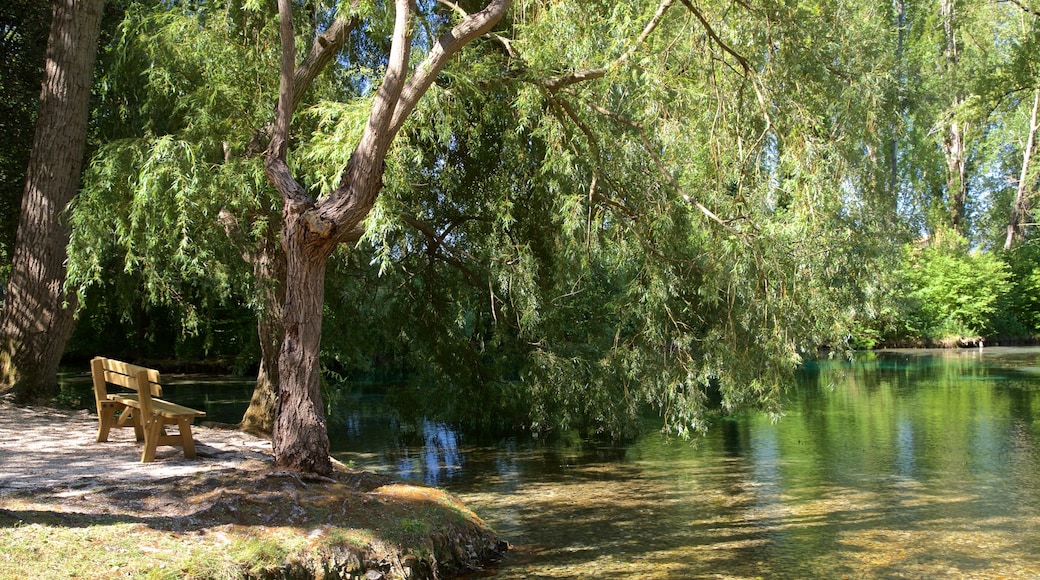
(107, 371)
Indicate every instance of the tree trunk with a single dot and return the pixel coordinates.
(956, 173)
(269, 273)
(954, 144)
(1020, 209)
(893, 143)
(37, 318)
(301, 439)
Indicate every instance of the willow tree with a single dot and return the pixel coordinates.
(671, 215)
(602, 205)
(37, 320)
(312, 228)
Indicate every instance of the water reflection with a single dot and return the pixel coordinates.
(907, 464)
(437, 461)
(914, 464)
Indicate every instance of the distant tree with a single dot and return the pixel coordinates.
(37, 318)
(954, 292)
(1028, 180)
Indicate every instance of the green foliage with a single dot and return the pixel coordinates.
(548, 259)
(173, 199)
(953, 291)
(677, 232)
(1020, 313)
(23, 42)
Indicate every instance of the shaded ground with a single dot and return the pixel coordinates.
(59, 486)
(44, 447)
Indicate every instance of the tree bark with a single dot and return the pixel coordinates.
(266, 256)
(37, 318)
(269, 273)
(311, 230)
(1016, 228)
(955, 134)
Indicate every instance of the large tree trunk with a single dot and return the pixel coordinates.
(37, 318)
(1016, 228)
(300, 433)
(268, 259)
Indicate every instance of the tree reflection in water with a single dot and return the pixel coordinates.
(906, 464)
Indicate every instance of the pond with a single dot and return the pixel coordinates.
(904, 463)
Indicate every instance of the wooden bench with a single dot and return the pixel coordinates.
(139, 407)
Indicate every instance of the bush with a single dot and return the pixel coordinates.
(952, 291)
(1020, 313)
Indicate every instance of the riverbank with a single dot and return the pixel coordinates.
(71, 507)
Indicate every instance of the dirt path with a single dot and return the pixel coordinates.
(45, 448)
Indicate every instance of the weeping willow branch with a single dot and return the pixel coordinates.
(438, 249)
(648, 146)
(562, 105)
(557, 83)
(743, 62)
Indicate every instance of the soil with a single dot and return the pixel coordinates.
(50, 461)
(41, 447)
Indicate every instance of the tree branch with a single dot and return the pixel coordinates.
(377, 136)
(744, 64)
(275, 167)
(435, 243)
(715, 37)
(471, 27)
(341, 210)
(661, 166)
(325, 47)
(506, 43)
(575, 77)
(284, 111)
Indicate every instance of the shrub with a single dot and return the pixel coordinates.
(952, 290)
(1020, 316)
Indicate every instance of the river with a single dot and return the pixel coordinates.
(901, 464)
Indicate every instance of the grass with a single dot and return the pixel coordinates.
(251, 525)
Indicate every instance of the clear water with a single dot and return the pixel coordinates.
(907, 464)
(910, 464)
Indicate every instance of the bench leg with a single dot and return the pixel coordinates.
(131, 415)
(184, 428)
(106, 416)
(152, 432)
